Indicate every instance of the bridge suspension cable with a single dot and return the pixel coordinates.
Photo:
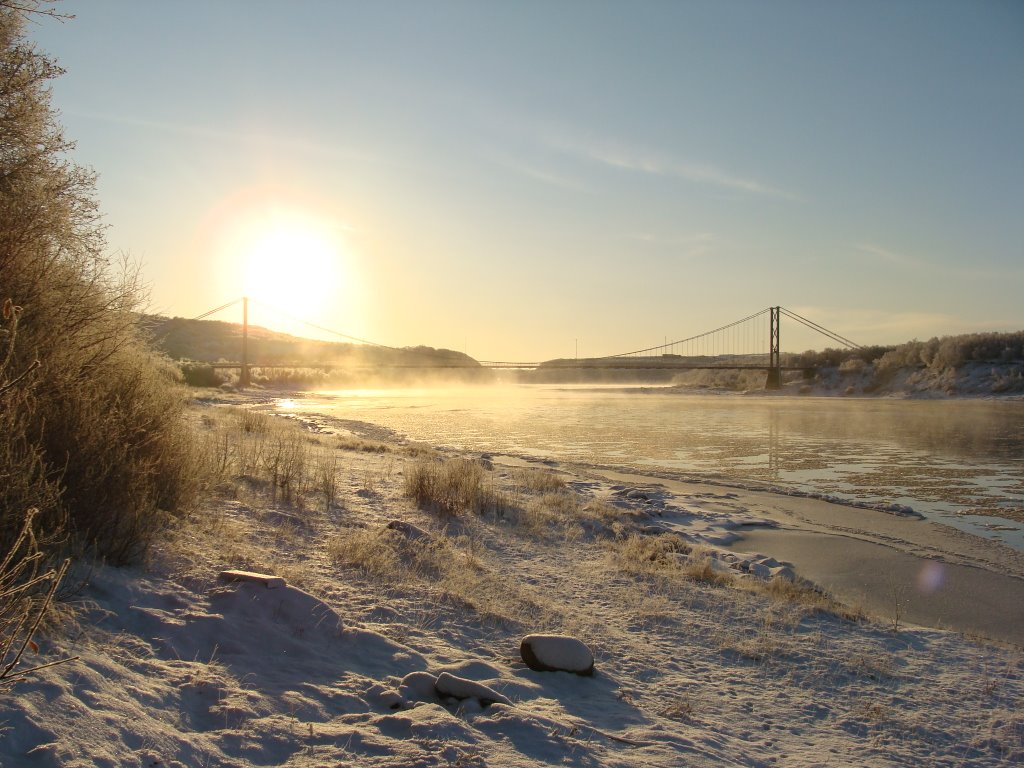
(324, 329)
(218, 309)
(820, 329)
(698, 337)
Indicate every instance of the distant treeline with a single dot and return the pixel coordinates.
(936, 353)
(973, 364)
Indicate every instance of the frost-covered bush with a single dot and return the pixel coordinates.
(92, 431)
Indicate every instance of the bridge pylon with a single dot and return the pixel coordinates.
(243, 376)
(774, 380)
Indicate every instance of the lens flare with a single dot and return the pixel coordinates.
(931, 578)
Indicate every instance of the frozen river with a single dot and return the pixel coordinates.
(957, 461)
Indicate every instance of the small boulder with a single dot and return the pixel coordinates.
(783, 572)
(384, 697)
(448, 685)
(557, 653)
(761, 571)
(418, 686)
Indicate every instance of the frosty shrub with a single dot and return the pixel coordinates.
(91, 419)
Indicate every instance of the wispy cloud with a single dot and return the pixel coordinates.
(540, 174)
(653, 164)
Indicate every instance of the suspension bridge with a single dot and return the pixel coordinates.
(751, 343)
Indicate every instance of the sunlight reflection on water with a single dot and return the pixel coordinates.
(946, 459)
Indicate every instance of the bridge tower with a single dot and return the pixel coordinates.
(775, 363)
(243, 377)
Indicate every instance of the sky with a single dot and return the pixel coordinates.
(529, 180)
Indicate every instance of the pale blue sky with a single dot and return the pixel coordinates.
(507, 178)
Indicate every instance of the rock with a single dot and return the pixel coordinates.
(760, 570)
(783, 572)
(556, 653)
(460, 688)
(418, 686)
(384, 697)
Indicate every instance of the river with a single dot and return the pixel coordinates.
(960, 462)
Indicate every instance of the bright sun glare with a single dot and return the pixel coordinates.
(293, 264)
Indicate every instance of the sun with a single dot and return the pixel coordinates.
(292, 262)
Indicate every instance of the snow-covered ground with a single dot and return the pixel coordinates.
(702, 657)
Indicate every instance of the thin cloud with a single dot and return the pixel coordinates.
(541, 175)
(654, 165)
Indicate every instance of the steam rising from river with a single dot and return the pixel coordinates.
(960, 461)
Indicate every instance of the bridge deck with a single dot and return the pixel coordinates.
(519, 366)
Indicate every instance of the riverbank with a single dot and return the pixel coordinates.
(860, 535)
(703, 656)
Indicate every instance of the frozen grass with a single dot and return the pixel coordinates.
(249, 453)
(450, 487)
(538, 480)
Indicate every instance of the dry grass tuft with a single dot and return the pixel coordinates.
(452, 567)
(453, 486)
(680, 708)
(552, 514)
(247, 452)
(700, 568)
(804, 594)
(648, 555)
(359, 444)
(538, 480)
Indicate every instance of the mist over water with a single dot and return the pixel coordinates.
(961, 462)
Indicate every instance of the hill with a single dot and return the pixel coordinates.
(282, 358)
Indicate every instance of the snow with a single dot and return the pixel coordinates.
(344, 665)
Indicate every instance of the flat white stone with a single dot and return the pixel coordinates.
(268, 580)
